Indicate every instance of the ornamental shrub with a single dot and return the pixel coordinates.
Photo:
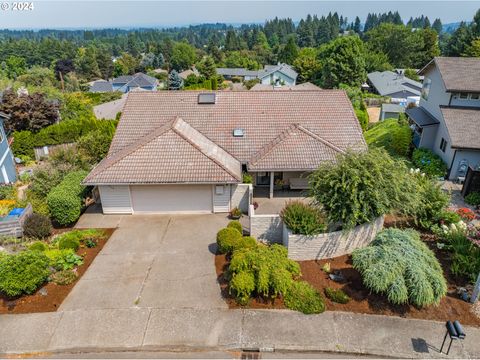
(227, 238)
(68, 243)
(64, 259)
(247, 178)
(273, 273)
(247, 242)
(473, 198)
(397, 263)
(64, 277)
(447, 217)
(236, 225)
(429, 162)
(390, 134)
(302, 218)
(304, 298)
(37, 226)
(38, 246)
(23, 273)
(337, 295)
(65, 200)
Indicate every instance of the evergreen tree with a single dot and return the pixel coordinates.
(459, 41)
(207, 68)
(289, 52)
(105, 63)
(437, 26)
(231, 41)
(357, 25)
(86, 63)
(175, 82)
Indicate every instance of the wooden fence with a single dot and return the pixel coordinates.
(14, 226)
(48, 150)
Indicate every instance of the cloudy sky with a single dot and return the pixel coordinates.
(125, 14)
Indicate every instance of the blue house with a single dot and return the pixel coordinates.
(7, 163)
(126, 83)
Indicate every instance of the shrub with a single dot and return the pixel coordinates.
(337, 295)
(473, 198)
(447, 217)
(227, 238)
(37, 226)
(68, 243)
(400, 265)
(90, 243)
(38, 246)
(95, 144)
(302, 218)
(235, 212)
(65, 200)
(466, 214)
(23, 273)
(359, 187)
(429, 162)
(247, 242)
(236, 225)
(64, 259)
(247, 178)
(7, 192)
(304, 298)
(64, 277)
(269, 266)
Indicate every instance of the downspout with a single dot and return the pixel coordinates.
(451, 164)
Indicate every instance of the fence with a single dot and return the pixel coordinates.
(472, 182)
(48, 150)
(14, 226)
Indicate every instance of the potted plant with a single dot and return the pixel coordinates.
(235, 213)
(279, 184)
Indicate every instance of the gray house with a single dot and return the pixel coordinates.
(448, 118)
(7, 163)
(280, 74)
(126, 83)
(393, 84)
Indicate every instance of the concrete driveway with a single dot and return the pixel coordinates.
(152, 261)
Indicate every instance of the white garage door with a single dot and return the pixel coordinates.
(172, 198)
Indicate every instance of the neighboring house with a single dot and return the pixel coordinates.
(186, 73)
(8, 172)
(185, 152)
(448, 118)
(394, 85)
(281, 74)
(391, 111)
(126, 83)
(304, 86)
(109, 110)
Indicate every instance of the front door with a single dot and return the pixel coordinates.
(263, 179)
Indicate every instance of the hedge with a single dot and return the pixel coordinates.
(65, 200)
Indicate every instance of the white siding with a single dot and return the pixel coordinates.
(221, 198)
(169, 199)
(115, 199)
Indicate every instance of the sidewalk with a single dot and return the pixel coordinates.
(151, 329)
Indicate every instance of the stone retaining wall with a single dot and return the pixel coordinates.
(329, 245)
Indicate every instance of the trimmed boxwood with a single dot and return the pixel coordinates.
(38, 246)
(303, 218)
(227, 239)
(65, 200)
(68, 243)
(236, 225)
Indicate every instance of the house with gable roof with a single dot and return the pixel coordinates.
(280, 74)
(186, 151)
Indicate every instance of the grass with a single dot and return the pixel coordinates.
(390, 135)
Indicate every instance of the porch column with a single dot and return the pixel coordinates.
(272, 175)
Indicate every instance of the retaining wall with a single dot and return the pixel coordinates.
(241, 196)
(265, 228)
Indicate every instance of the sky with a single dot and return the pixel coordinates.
(87, 14)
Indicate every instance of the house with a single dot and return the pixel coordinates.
(280, 74)
(109, 110)
(7, 162)
(447, 119)
(185, 152)
(391, 111)
(393, 85)
(186, 73)
(126, 83)
(304, 86)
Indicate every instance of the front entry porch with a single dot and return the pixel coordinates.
(267, 205)
(279, 183)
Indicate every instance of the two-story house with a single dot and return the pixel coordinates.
(447, 121)
(8, 173)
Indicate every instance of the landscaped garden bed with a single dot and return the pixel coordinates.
(50, 294)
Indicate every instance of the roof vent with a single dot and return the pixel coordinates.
(208, 98)
(238, 133)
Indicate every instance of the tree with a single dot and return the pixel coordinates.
(125, 65)
(183, 56)
(105, 63)
(357, 25)
(28, 112)
(473, 49)
(38, 76)
(159, 61)
(307, 65)
(376, 61)
(15, 66)
(243, 59)
(86, 63)
(305, 34)
(213, 50)
(147, 62)
(437, 26)
(231, 41)
(342, 62)
(207, 67)
(459, 41)
(289, 52)
(175, 82)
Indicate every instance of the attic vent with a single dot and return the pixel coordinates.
(206, 98)
(238, 132)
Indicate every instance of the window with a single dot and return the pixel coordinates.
(219, 190)
(426, 88)
(443, 145)
(463, 95)
(474, 96)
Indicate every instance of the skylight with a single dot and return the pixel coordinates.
(208, 98)
(238, 132)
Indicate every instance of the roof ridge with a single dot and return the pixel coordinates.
(199, 148)
(319, 138)
(109, 161)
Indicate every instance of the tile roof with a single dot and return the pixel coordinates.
(389, 82)
(296, 148)
(323, 117)
(463, 125)
(172, 153)
(458, 73)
